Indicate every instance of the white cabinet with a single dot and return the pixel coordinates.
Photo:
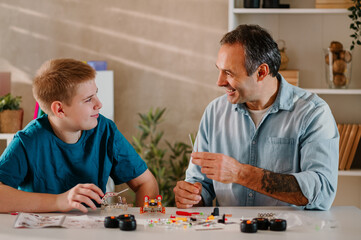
(307, 31)
(105, 83)
(8, 137)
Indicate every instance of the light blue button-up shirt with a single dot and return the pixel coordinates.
(298, 135)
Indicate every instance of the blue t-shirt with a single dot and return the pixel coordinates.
(38, 161)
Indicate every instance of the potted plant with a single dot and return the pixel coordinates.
(168, 162)
(11, 115)
(356, 23)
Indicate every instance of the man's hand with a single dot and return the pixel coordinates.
(218, 167)
(187, 194)
(81, 193)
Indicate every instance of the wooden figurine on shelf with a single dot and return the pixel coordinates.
(284, 59)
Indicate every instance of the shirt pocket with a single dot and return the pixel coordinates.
(279, 154)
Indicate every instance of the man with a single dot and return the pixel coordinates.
(265, 142)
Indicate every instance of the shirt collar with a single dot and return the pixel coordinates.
(284, 99)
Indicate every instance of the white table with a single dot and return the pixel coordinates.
(340, 223)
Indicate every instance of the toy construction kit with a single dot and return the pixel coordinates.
(152, 217)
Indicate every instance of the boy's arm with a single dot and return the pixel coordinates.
(145, 184)
(13, 200)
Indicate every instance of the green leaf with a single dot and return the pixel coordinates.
(8, 102)
(167, 163)
(158, 137)
(159, 114)
(353, 36)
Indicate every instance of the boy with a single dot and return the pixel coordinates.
(57, 162)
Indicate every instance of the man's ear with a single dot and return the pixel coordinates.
(57, 109)
(262, 71)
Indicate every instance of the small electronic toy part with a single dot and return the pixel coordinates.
(215, 212)
(278, 224)
(152, 205)
(126, 216)
(113, 200)
(183, 213)
(262, 223)
(249, 226)
(111, 222)
(127, 222)
(224, 219)
(266, 215)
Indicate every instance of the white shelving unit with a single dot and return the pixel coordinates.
(7, 136)
(306, 32)
(335, 91)
(288, 11)
(350, 173)
(232, 12)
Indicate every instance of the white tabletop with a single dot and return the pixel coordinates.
(337, 223)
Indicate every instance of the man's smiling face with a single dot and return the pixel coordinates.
(240, 87)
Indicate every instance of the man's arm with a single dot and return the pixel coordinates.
(225, 169)
(13, 200)
(283, 187)
(145, 184)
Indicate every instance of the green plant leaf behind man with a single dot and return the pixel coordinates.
(168, 162)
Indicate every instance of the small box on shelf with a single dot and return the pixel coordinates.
(333, 3)
(291, 76)
(5, 83)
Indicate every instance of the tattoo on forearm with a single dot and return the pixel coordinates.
(276, 182)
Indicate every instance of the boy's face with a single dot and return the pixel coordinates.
(83, 111)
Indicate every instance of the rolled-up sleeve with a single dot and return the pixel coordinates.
(319, 154)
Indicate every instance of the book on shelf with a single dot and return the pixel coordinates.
(343, 141)
(350, 135)
(348, 145)
(340, 129)
(353, 150)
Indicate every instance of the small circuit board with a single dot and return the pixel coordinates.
(113, 200)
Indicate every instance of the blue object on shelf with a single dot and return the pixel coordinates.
(98, 65)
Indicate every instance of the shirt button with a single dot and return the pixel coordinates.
(250, 194)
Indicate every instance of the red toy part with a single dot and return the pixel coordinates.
(183, 213)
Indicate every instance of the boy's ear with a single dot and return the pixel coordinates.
(262, 71)
(57, 109)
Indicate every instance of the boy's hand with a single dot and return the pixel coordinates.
(187, 194)
(81, 193)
